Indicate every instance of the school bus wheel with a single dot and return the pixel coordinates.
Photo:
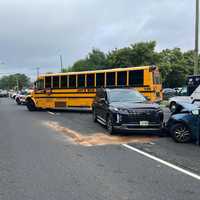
(30, 105)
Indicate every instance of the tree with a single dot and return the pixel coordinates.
(143, 53)
(174, 67)
(14, 81)
(119, 57)
(174, 64)
(138, 54)
(96, 59)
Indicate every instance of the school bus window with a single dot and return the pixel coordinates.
(40, 84)
(110, 78)
(81, 80)
(55, 82)
(72, 81)
(136, 77)
(122, 78)
(100, 78)
(90, 80)
(48, 82)
(64, 82)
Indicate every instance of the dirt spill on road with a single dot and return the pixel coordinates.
(97, 138)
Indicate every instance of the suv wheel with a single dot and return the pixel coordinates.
(109, 125)
(94, 115)
(181, 133)
(18, 101)
(31, 105)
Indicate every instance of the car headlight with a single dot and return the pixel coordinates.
(123, 111)
(120, 110)
(115, 109)
(196, 112)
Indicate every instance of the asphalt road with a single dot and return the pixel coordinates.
(45, 156)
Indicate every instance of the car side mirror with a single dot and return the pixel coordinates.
(102, 100)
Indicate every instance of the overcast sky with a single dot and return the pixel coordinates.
(34, 32)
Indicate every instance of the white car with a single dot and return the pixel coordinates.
(3, 93)
(195, 96)
(20, 97)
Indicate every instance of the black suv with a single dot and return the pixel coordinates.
(126, 109)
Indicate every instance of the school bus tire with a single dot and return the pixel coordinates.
(30, 105)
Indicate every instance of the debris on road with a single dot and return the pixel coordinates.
(98, 138)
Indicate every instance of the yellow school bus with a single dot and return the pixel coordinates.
(78, 89)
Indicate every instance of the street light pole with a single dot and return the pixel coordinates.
(38, 71)
(196, 51)
(61, 63)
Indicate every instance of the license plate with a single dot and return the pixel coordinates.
(144, 123)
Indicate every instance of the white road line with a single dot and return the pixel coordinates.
(51, 113)
(196, 176)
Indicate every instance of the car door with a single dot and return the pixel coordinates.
(100, 105)
(104, 106)
(97, 102)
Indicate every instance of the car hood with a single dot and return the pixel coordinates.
(180, 99)
(128, 105)
(188, 106)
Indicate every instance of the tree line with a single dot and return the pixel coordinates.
(174, 64)
(15, 81)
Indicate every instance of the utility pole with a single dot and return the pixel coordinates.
(196, 51)
(17, 84)
(61, 63)
(38, 71)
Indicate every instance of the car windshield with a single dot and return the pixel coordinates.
(125, 96)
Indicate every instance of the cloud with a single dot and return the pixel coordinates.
(34, 33)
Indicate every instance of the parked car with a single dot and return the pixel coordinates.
(3, 93)
(13, 95)
(168, 93)
(184, 123)
(181, 91)
(126, 109)
(195, 96)
(20, 97)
